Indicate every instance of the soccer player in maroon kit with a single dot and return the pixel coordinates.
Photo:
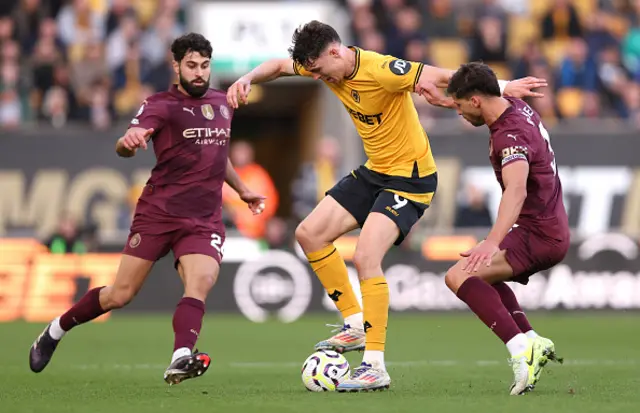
(180, 208)
(531, 232)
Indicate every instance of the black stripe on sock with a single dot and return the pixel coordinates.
(325, 257)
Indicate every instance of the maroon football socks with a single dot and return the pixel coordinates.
(187, 322)
(511, 304)
(83, 311)
(485, 302)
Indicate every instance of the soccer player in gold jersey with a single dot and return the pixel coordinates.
(385, 197)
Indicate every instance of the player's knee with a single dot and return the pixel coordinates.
(365, 261)
(201, 282)
(305, 236)
(119, 297)
(452, 279)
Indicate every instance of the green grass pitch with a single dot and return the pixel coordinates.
(438, 363)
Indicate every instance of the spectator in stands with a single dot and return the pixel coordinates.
(277, 234)
(256, 178)
(613, 80)
(579, 76)
(67, 238)
(472, 209)
(440, 19)
(561, 21)
(88, 72)
(11, 104)
(489, 42)
(119, 41)
(28, 16)
(157, 39)
(407, 28)
(127, 80)
(373, 40)
(316, 177)
(119, 9)
(7, 29)
(78, 24)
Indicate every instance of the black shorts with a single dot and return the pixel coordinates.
(364, 191)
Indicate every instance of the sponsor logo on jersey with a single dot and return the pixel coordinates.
(207, 111)
(399, 67)
(367, 119)
(194, 133)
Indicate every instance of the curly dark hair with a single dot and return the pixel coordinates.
(473, 78)
(192, 42)
(310, 40)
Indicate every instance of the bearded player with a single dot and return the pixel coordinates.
(179, 209)
(385, 197)
(531, 232)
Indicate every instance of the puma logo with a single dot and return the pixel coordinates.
(511, 136)
(190, 110)
(195, 332)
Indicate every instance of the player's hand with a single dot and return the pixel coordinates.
(136, 138)
(481, 254)
(239, 92)
(433, 95)
(254, 201)
(522, 88)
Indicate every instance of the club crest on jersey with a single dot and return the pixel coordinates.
(135, 240)
(207, 111)
(224, 111)
(355, 95)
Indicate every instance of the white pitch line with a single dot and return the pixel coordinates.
(293, 364)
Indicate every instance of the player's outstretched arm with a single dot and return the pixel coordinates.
(433, 78)
(514, 177)
(133, 139)
(253, 200)
(265, 72)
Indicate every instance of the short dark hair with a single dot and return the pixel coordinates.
(310, 40)
(474, 78)
(191, 42)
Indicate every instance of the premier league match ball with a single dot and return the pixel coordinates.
(324, 370)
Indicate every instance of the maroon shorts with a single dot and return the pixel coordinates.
(151, 237)
(529, 253)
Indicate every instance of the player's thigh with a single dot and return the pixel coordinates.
(378, 234)
(529, 253)
(345, 208)
(198, 272)
(401, 211)
(131, 275)
(198, 253)
(499, 270)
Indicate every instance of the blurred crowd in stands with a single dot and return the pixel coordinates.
(95, 60)
(83, 60)
(589, 50)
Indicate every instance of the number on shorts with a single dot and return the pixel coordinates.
(216, 242)
(545, 135)
(400, 202)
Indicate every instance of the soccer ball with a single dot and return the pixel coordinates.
(324, 370)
